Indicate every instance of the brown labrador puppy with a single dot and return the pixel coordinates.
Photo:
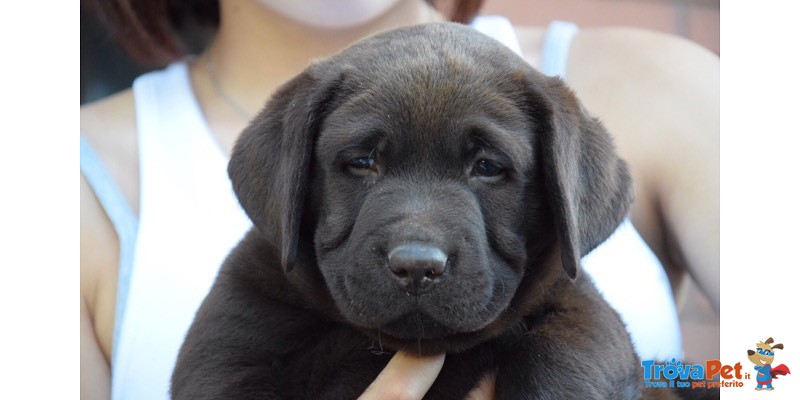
(426, 190)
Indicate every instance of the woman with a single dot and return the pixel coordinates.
(656, 94)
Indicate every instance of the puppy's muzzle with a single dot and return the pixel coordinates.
(417, 266)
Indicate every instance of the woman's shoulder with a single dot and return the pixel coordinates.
(633, 38)
(619, 50)
(630, 51)
(632, 71)
(637, 79)
(109, 120)
(109, 125)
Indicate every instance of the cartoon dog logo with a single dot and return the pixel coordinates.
(763, 357)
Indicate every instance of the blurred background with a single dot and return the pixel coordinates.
(697, 20)
(105, 69)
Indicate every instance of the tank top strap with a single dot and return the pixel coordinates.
(498, 28)
(170, 123)
(555, 48)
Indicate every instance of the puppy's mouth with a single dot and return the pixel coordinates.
(417, 326)
(422, 334)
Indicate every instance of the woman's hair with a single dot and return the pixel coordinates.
(154, 32)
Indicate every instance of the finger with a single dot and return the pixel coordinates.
(406, 377)
(484, 390)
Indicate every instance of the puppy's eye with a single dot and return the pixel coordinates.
(361, 166)
(487, 168)
(361, 163)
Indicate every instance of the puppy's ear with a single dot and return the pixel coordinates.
(270, 164)
(588, 186)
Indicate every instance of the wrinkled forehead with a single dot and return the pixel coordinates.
(433, 107)
(432, 84)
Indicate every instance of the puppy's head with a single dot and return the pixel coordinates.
(430, 171)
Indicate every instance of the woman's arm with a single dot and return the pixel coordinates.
(659, 96)
(98, 254)
(95, 373)
(110, 127)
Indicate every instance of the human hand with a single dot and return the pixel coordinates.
(409, 377)
(406, 377)
(484, 390)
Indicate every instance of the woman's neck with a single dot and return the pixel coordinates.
(256, 49)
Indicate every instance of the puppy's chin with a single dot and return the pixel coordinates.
(420, 334)
(416, 326)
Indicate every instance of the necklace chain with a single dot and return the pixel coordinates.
(221, 92)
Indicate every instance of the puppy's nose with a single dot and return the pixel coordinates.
(417, 266)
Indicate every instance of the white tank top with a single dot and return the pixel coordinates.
(189, 221)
